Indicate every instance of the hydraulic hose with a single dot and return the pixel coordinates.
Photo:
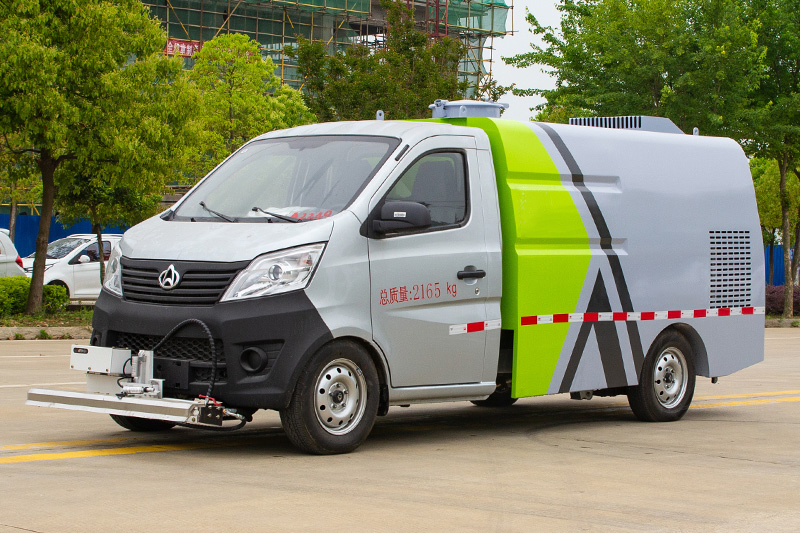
(211, 345)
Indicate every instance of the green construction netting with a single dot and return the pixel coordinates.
(477, 16)
(359, 8)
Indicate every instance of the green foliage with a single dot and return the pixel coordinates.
(693, 61)
(14, 295)
(54, 299)
(89, 94)
(766, 179)
(19, 177)
(238, 96)
(403, 79)
(43, 335)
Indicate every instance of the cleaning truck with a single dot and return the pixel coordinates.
(331, 271)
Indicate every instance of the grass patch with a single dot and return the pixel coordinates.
(79, 317)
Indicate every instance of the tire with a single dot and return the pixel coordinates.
(499, 398)
(335, 400)
(144, 425)
(58, 283)
(666, 383)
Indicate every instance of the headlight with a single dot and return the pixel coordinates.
(284, 271)
(113, 281)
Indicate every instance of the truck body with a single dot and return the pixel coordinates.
(464, 258)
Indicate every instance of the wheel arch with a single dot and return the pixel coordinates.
(699, 352)
(374, 354)
(60, 283)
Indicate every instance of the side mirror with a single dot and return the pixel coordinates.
(400, 216)
(84, 259)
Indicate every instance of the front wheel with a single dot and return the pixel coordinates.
(335, 402)
(666, 384)
(142, 424)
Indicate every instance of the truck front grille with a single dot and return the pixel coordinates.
(201, 283)
(183, 348)
(180, 360)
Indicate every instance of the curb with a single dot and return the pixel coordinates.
(56, 332)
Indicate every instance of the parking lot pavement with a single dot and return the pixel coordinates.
(731, 464)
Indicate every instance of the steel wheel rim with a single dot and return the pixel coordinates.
(669, 377)
(340, 396)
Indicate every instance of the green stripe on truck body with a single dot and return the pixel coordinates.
(545, 248)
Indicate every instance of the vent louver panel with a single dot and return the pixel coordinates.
(731, 268)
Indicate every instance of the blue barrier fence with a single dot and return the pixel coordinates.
(28, 228)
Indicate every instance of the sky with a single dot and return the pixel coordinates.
(531, 77)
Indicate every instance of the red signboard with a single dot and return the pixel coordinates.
(182, 48)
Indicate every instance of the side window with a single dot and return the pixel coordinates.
(91, 251)
(438, 182)
(106, 250)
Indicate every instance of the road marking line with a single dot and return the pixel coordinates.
(109, 451)
(201, 445)
(747, 402)
(750, 395)
(62, 443)
(42, 384)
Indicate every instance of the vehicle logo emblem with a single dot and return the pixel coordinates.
(169, 279)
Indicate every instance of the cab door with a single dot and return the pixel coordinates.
(429, 286)
(86, 275)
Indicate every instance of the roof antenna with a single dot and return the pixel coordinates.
(379, 115)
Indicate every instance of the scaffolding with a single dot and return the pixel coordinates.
(339, 24)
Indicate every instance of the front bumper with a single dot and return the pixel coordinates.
(261, 344)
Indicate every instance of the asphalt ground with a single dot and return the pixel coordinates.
(544, 464)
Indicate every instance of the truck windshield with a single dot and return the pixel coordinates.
(302, 178)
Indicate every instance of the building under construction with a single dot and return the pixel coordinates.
(337, 23)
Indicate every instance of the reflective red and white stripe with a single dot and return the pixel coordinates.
(638, 316)
(472, 327)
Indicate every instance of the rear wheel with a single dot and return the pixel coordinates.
(666, 384)
(335, 401)
(141, 424)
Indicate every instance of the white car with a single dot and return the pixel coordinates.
(10, 262)
(73, 262)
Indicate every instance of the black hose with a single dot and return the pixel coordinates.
(211, 346)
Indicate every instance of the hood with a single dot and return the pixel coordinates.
(27, 262)
(224, 242)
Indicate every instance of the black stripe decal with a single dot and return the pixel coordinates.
(605, 241)
(607, 342)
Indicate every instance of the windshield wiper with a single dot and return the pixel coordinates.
(220, 215)
(287, 218)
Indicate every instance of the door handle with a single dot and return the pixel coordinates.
(471, 274)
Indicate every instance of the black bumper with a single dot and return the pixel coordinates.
(278, 334)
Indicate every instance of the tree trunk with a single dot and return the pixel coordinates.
(47, 166)
(97, 229)
(12, 219)
(772, 258)
(788, 285)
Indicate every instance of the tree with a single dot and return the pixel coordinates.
(73, 71)
(693, 61)
(402, 79)
(766, 179)
(775, 117)
(240, 97)
(19, 181)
